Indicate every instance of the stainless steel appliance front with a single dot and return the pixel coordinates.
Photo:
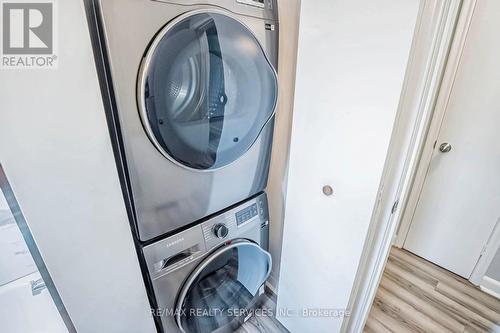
(205, 279)
(195, 90)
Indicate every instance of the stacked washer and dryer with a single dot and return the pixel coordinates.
(193, 91)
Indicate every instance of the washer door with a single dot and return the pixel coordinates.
(206, 90)
(222, 287)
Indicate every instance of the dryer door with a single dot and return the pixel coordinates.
(223, 286)
(206, 90)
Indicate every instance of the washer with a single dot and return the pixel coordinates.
(195, 90)
(207, 277)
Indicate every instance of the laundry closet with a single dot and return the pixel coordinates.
(205, 154)
(195, 90)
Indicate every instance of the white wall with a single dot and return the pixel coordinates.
(56, 152)
(351, 64)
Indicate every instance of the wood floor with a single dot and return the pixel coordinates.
(418, 296)
(263, 324)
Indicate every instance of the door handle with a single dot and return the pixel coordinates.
(445, 147)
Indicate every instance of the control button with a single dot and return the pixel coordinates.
(220, 230)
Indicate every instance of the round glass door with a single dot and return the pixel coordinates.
(223, 287)
(206, 90)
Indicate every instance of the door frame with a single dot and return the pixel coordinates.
(409, 151)
(414, 192)
(434, 125)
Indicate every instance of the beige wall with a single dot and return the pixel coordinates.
(289, 24)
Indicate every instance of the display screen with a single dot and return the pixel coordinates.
(246, 214)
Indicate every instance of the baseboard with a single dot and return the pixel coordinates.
(490, 286)
(272, 284)
(271, 292)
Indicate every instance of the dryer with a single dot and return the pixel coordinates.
(209, 277)
(195, 88)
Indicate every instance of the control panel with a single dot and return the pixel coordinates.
(262, 9)
(243, 221)
(255, 3)
(235, 221)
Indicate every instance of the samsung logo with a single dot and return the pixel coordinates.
(177, 241)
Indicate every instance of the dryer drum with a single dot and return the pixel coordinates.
(206, 90)
(195, 135)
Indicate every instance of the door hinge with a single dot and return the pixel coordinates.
(483, 251)
(394, 206)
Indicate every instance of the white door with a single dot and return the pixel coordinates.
(460, 200)
(352, 57)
